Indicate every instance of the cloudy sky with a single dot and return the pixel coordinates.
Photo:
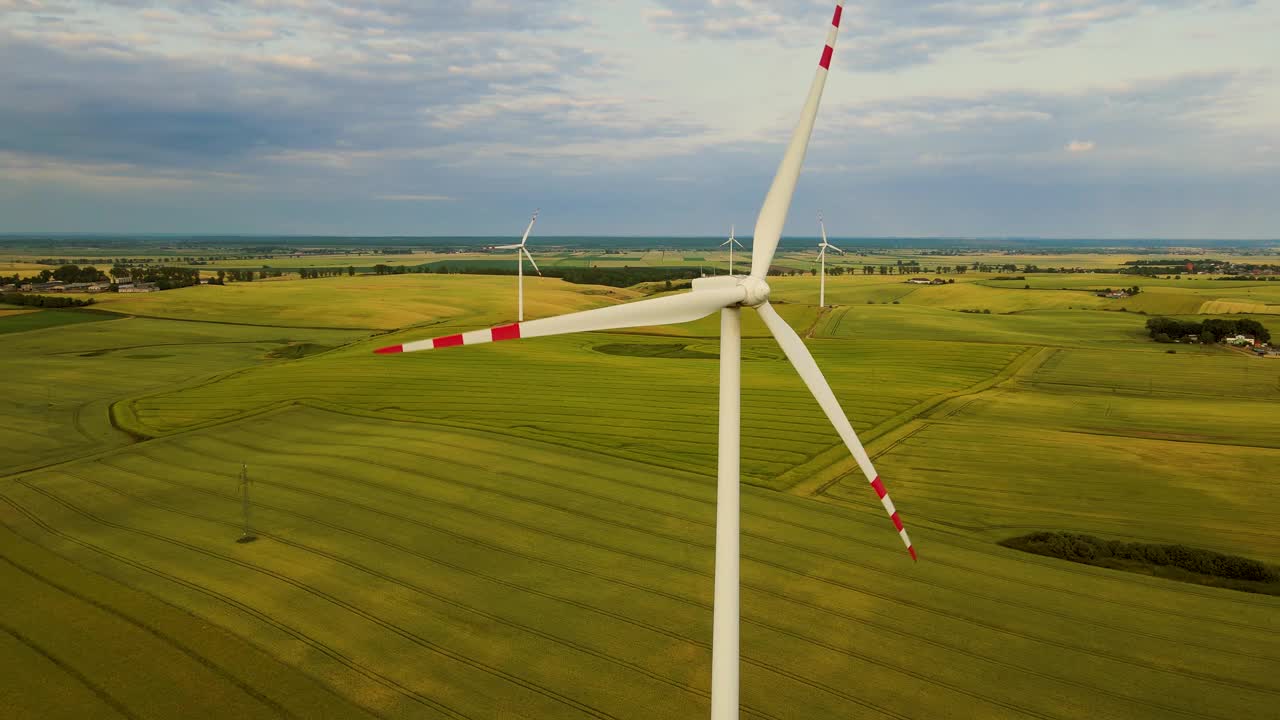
(1060, 118)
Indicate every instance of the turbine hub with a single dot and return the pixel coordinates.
(757, 291)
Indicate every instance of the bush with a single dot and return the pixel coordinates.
(44, 301)
(1091, 550)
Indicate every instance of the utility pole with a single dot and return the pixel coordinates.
(245, 536)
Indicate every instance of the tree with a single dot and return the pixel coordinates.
(1208, 338)
(351, 271)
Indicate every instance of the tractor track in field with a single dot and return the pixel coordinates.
(405, 584)
(681, 599)
(828, 509)
(784, 673)
(664, 491)
(78, 676)
(167, 639)
(320, 647)
(1023, 363)
(124, 315)
(830, 581)
(334, 600)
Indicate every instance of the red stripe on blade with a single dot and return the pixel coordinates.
(390, 349)
(446, 341)
(912, 551)
(836, 20)
(897, 522)
(825, 62)
(506, 332)
(879, 486)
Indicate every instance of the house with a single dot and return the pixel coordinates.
(42, 287)
(938, 281)
(1241, 341)
(73, 287)
(137, 287)
(9, 287)
(98, 287)
(920, 281)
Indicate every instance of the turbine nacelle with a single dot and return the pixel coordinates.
(755, 292)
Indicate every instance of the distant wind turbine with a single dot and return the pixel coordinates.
(728, 295)
(520, 248)
(731, 242)
(822, 261)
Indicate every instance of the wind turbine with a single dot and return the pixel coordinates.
(520, 248)
(731, 242)
(728, 295)
(822, 261)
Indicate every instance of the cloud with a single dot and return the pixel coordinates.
(1146, 127)
(417, 198)
(348, 116)
(893, 34)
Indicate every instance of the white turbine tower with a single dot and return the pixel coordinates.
(522, 252)
(731, 242)
(728, 295)
(822, 262)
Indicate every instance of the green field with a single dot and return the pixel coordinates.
(27, 319)
(526, 529)
(365, 302)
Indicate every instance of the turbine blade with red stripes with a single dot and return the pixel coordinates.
(773, 213)
(659, 311)
(794, 348)
(527, 230)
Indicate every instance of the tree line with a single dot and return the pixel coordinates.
(1210, 331)
(1116, 554)
(309, 273)
(44, 301)
(65, 273)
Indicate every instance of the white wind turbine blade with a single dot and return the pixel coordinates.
(527, 230)
(506, 247)
(833, 247)
(525, 250)
(659, 311)
(773, 213)
(824, 229)
(799, 355)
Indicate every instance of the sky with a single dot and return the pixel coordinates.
(962, 118)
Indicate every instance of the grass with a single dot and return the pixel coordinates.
(364, 302)
(589, 399)
(483, 587)
(526, 529)
(25, 320)
(61, 381)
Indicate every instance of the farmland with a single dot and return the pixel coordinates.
(525, 529)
